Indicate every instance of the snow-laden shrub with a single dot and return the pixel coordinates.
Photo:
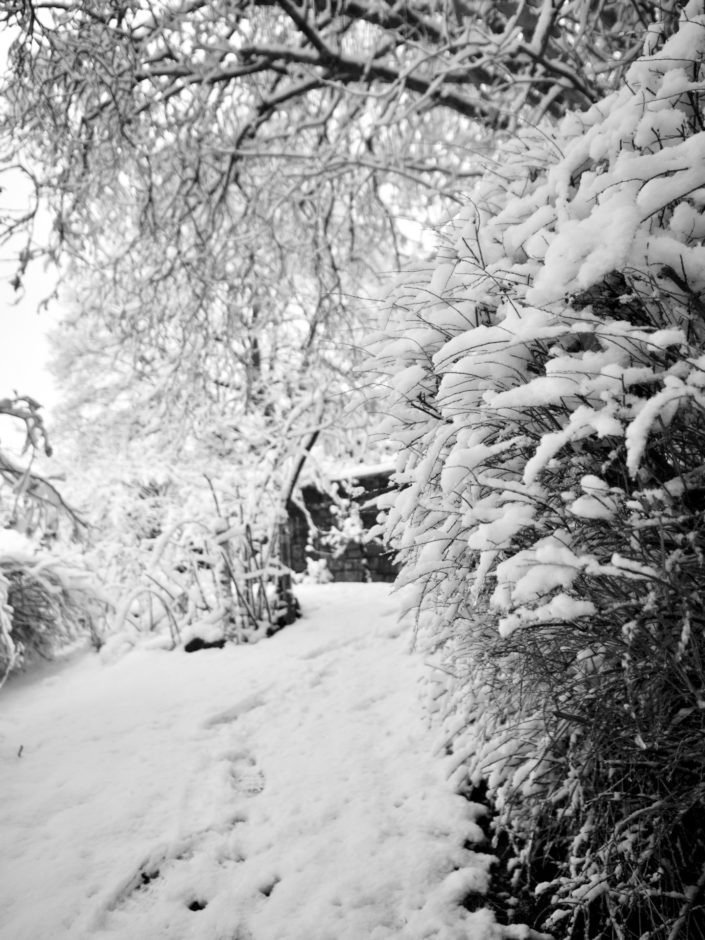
(184, 556)
(209, 582)
(46, 603)
(548, 380)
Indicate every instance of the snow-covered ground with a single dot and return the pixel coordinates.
(283, 791)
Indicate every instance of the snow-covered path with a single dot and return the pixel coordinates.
(282, 791)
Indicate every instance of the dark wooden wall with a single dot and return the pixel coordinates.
(370, 560)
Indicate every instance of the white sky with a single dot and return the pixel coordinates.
(23, 347)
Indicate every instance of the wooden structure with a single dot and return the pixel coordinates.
(318, 530)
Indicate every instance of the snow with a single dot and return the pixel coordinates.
(14, 545)
(283, 791)
(662, 408)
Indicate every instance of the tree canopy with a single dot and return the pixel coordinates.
(226, 180)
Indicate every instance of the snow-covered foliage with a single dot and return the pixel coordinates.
(185, 554)
(48, 597)
(549, 385)
(152, 447)
(47, 601)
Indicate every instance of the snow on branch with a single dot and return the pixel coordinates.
(549, 413)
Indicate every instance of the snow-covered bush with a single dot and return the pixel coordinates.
(48, 597)
(207, 582)
(549, 387)
(46, 603)
(185, 555)
(317, 571)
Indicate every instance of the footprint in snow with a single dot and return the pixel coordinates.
(229, 715)
(246, 778)
(144, 879)
(170, 865)
(173, 871)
